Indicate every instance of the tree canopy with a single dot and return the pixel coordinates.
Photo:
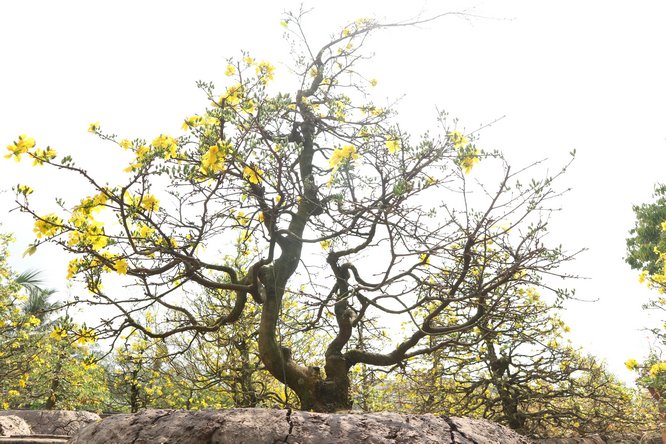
(316, 196)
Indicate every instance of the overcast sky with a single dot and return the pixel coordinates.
(584, 75)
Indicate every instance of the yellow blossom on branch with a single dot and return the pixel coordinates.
(149, 203)
(59, 333)
(231, 97)
(21, 147)
(121, 266)
(457, 139)
(252, 174)
(93, 127)
(86, 336)
(230, 71)
(265, 71)
(24, 189)
(166, 143)
(342, 156)
(469, 160)
(193, 122)
(125, 144)
(392, 145)
(657, 368)
(41, 156)
(213, 160)
(631, 364)
(47, 225)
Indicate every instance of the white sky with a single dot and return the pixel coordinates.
(566, 74)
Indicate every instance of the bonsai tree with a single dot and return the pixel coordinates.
(330, 202)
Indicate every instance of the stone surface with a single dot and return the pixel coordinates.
(13, 425)
(263, 426)
(54, 422)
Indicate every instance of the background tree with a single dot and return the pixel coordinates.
(328, 199)
(646, 251)
(516, 369)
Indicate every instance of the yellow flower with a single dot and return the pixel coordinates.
(231, 97)
(425, 258)
(663, 226)
(125, 144)
(392, 145)
(631, 364)
(642, 276)
(145, 231)
(248, 60)
(265, 71)
(89, 362)
(22, 146)
(85, 336)
(657, 368)
(343, 156)
(133, 167)
(467, 162)
(252, 174)
(47, 225)
(166, 143)
(24, 189)
(58, 333)
(121, 266)
(248, 107)
(230, 71)
(149, 203)
(325, 244)
(41, 156)
(93, 127)
(193, 122)
(73, 268)
(373, 82)
(457, 139)
(213, 160)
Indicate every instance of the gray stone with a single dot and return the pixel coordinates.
(11, 425)
(54, 422)
(263, 426)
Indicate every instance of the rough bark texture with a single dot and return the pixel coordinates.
(260, 426)
(13, 425)
(54, 422)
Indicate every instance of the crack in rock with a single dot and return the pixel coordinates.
(291, 426)
(454, 429)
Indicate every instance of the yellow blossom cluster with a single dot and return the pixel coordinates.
(631, 364)
(342, 156)
(90, 235)
(85, 336)
(147, 202)
(213, 160)
(58, 333)
(252, 174)
(168, 144)
(468, 155)
(392, 145)
(265, 71)
(22, 146)
(48, 225)
(657, 368)
(40, 156)
(24, 189)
